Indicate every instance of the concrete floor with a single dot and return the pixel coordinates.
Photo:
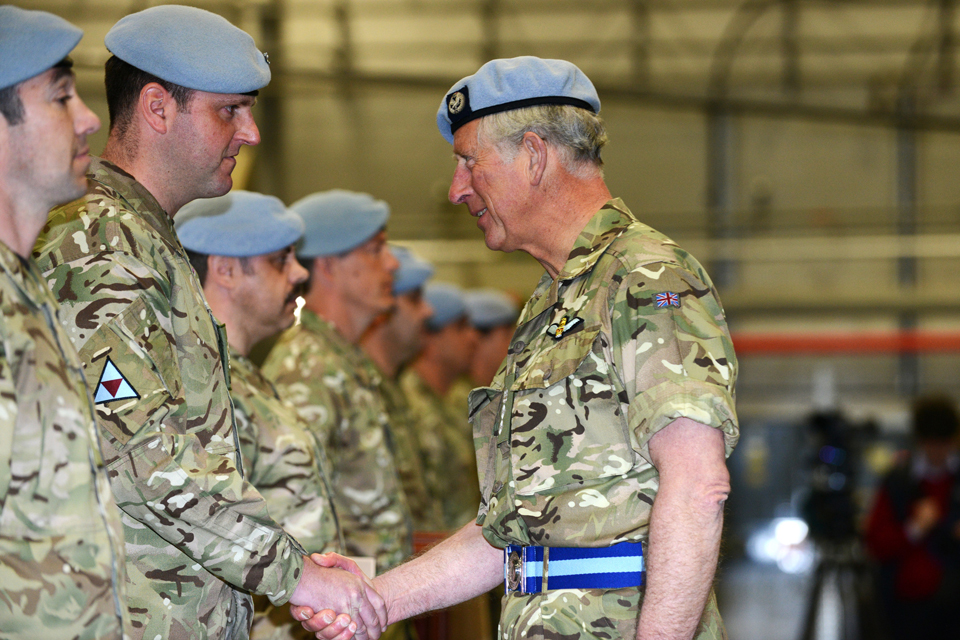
(760, 602)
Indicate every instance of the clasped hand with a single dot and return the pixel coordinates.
(337, 600)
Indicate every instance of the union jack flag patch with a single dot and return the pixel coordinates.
(667, 299)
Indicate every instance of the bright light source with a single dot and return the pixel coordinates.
(796, 560)
(790, 531)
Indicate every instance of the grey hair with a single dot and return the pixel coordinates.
(577, 133)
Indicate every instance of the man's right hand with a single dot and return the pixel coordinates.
(343, 591)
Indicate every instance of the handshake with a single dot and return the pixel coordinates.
(337, 601)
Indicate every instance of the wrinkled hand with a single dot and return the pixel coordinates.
(338, 584)
(337, 627)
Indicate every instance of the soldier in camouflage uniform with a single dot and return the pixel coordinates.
(318, 366)
(241, 246)
(392, 341)
(62, 571)
(493, 315)
(198, 536)
(448, 458)
(601, 443)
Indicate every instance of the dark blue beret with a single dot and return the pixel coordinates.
(31, 42)
(240, 224)
(515, 83)
(190, 47)
(338, 221)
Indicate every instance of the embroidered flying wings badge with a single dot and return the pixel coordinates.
(667, 299)
(566, 325)
(113, 385)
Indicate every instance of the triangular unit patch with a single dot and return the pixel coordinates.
(113, 385)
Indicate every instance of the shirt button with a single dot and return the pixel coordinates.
(517, 347)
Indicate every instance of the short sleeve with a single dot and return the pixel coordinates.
(673, 349)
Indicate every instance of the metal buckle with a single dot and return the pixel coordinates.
(515, 571)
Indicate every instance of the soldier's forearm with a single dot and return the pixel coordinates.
(195, 501)
(685, 527)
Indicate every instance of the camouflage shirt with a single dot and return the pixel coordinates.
(629, 337)
(62, 572)
(284, 464)
(450, 478)
(427, 513)
(334, 387)
(196, 532)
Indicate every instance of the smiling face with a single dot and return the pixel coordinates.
(207, 137)
(45, 156)
(492, 187)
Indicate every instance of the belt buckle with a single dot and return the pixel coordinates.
(515, 570)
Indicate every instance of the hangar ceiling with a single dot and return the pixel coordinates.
(834, 59)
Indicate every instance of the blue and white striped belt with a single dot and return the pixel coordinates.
(537, 569)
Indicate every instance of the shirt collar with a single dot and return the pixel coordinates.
(136, 196)
(317, 324)
(923, 470)
(25, 275)
(595, 238)
(599, 233)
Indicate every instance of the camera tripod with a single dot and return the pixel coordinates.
(842, 564)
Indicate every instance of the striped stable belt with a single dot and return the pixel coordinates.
(538, 569)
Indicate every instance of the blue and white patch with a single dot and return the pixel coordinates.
(113, 385)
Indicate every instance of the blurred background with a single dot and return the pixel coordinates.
(805, 151)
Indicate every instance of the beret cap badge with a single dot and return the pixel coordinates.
(456, 102)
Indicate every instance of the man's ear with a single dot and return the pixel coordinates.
(222, 271)
(536, 150)
(156, 105)
(325, 269)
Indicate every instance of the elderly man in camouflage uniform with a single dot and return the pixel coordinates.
(394, 339)
(61, 543)
(601, 443)
(180, 88)
(241, 246)
(448, 459)
(318, 366)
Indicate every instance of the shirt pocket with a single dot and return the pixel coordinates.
(133, 348)
(568, 431)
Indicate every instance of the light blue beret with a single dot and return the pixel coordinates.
(31, 42)
(514, 83)
(338, 221)
(412, 273)
(489, 308)
(447, 302)
(239, 224)
(190, 47)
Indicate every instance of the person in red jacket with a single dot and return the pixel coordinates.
(913, 530)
